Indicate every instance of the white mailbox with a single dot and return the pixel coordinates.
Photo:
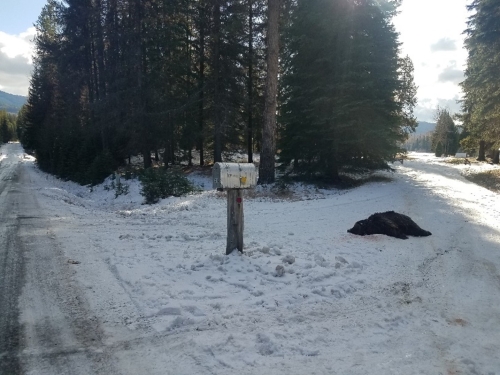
(234, 176)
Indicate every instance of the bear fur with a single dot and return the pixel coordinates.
(389, 223)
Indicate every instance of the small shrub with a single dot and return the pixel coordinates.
(116, 185)
(100, 168)
(159, 183)
(281, 187)
(120, 188)
(439, 150)
(128, 175)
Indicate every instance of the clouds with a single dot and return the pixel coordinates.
(451, 74)
(439, 86)
(17, 65)
(18, 45)
(426, 108)
(16, 61)
(444, 44)
(436, 49)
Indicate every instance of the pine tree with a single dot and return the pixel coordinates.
(343, 95)
(43, 98)
(407, 95)
(481, 104)
(6, 134)
(255, 67)
(438, 150)
(268, 152)
(445, 135)
(21, 124)
(114, 78)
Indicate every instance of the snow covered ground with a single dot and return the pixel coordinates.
(170, 301)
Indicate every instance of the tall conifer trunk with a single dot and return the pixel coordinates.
(250, 82)
(101, 82)
(267, 156)
(201, 85)
(216, 83)
(140, 70)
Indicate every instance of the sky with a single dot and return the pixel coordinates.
(430, 33)
(16, 34)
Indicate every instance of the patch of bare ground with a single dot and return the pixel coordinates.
(352, 181)
(488, 179)
(274, 193)
(205, 170)
(458, 161)
(458, 322)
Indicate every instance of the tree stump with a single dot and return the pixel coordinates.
(496, 157)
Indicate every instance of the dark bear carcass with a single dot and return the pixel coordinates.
(389, 223)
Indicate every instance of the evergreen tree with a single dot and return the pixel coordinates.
(407, 95)
(114, 78)
(6, 127)
(256, 49)
(267, 157)
(343, 95)
(419, 143)
(21, 124)
(445, 135)
(481, 104)
(44, 97)
(438, 150)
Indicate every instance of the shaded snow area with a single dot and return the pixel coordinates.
(306, 297)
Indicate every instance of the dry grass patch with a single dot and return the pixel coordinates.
(489, 179)
(458, 161)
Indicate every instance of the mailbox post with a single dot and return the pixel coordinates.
(234, 177)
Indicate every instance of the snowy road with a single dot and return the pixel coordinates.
(151, 292)
(45, 324)
(11, 268)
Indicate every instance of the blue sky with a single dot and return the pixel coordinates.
(18, 15)
(430, 32)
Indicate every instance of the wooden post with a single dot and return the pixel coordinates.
(234, 220)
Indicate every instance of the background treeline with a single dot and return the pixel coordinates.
(481, 104)
(162, 78)
(7, 127)
(443, 140)
(446, 135)
(419, 143)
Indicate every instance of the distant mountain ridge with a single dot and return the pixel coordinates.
(11, 103)
(421, 140)
(425, 127)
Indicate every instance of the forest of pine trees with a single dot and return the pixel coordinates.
(481, 104)
(445, 136)
(7, 127)
(419, 143)
(162, 78)
(348, 97)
